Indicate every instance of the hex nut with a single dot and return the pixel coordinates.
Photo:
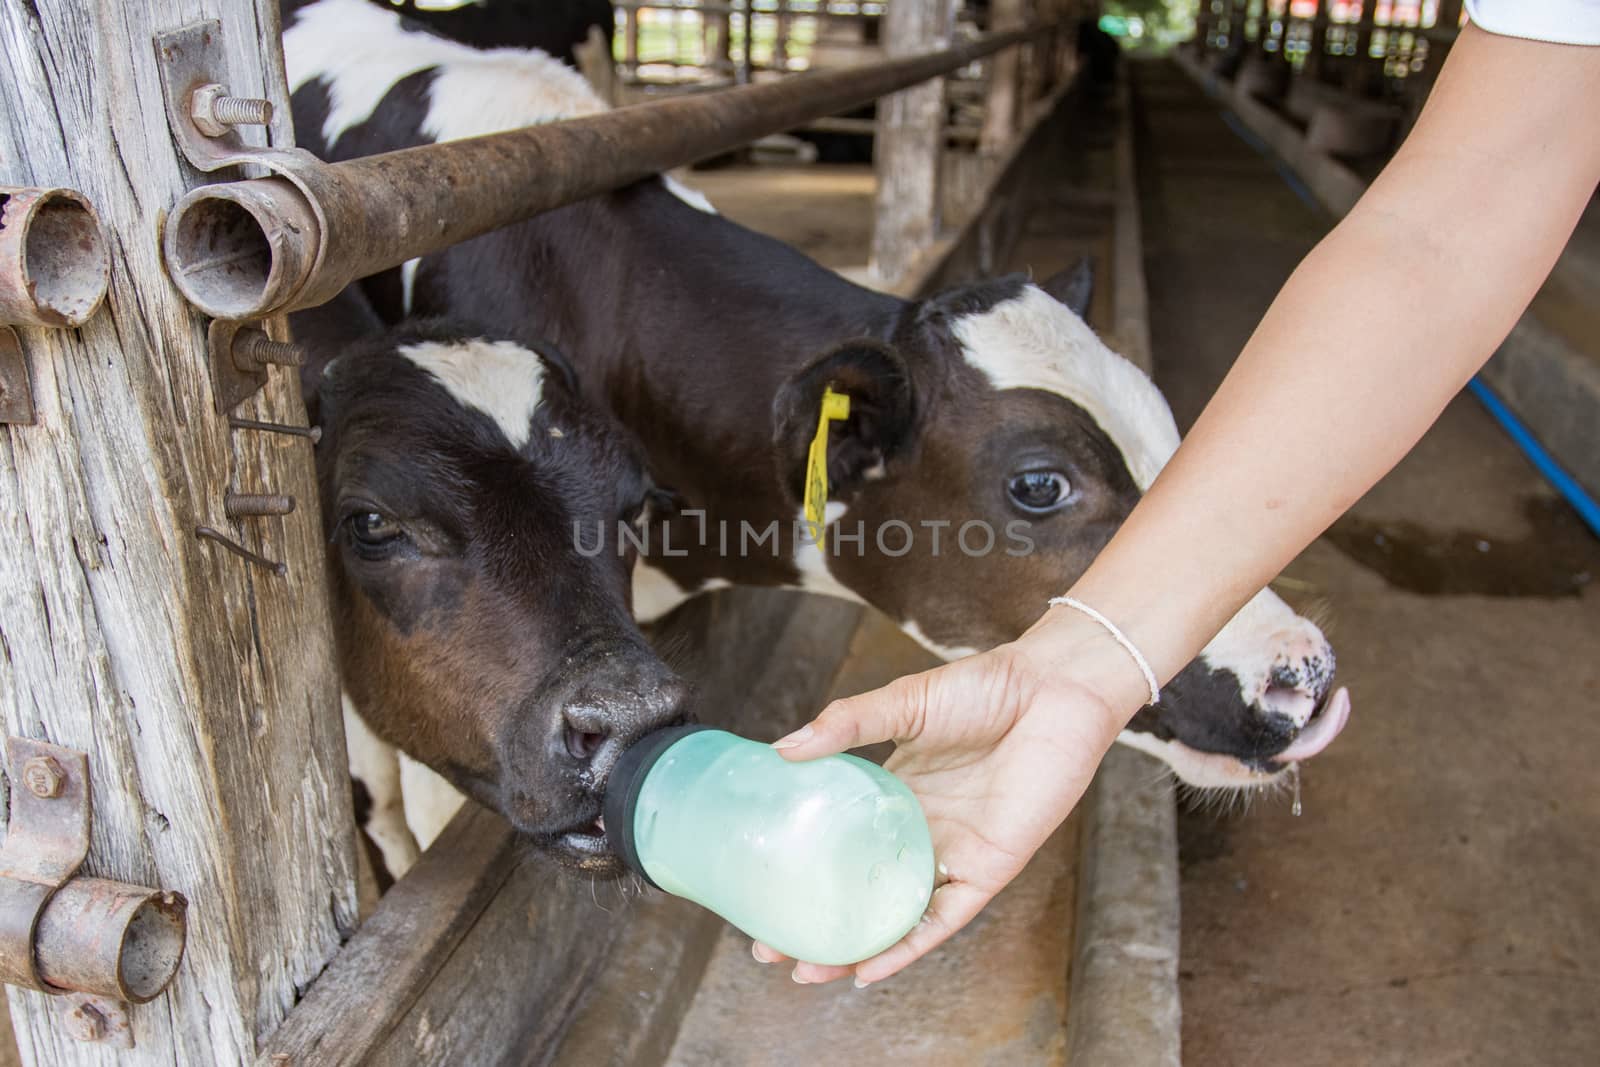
(43, 777)
(213, 110)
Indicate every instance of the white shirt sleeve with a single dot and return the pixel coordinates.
(1557, 21)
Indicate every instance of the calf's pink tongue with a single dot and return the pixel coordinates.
(1320, 734)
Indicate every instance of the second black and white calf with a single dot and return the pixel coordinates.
(990, 406)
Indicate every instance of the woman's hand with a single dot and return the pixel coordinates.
(998, 747)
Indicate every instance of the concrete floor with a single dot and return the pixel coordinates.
(824, 210)
(1437, 902)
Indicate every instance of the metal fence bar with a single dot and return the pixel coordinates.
(242, 250)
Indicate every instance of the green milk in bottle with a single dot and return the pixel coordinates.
(827, 861)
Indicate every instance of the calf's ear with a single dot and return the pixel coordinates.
(1073, 287)
(881, 425)
(326, 331)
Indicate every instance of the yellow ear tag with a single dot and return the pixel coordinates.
(835, 406)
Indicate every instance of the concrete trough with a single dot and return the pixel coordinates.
(1264, 77)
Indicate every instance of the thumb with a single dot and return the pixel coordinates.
(892, 713)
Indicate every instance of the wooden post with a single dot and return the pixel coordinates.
(1204, 22)
(1031, 75)
(1002, 108)
(1362, 60)
(747, 56)
(909, 142)
(1442, 38)
(780, 41)
(1317, 49)
(202, 686)
(721, 31)
(630, 42)
(1266, 34)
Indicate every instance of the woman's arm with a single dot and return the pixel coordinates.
(1382, 324)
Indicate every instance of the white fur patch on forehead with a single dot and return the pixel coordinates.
(1033, 342)
(359, 51)
(503, 380)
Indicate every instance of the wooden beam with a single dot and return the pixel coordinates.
(906, 152)
(202, 687)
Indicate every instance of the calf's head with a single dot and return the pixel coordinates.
(472, 631)
(994, 445)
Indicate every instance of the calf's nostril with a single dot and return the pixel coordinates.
(583, 744)
(1292, 701)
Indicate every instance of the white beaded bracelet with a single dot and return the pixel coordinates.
(1121, 638)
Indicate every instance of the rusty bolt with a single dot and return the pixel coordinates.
(44, 777)
(253, 349)
(213, 110)
(85, 1023)
(251, 505)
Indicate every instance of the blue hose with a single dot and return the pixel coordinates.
(1565, 484)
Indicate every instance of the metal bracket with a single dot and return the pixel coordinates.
(192, 59)
(103, 944)
(97, 1020)
(46, 842)
(16, 395)
(232, 384)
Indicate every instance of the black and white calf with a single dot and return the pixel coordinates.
(471, 634)
(991, 404)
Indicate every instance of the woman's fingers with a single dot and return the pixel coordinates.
(888, 714)
(815, 973)
(953, 906)
(765, 953)
(804, 973)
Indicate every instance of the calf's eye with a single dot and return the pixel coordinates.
(374, 530)
(1039, 491)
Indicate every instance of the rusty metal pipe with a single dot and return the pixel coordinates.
(244, 250)
(54, 266)
(110, 939)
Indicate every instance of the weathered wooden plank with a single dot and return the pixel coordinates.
(382, 971)
(631, 1012)
(908, 144)
(204, 690)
